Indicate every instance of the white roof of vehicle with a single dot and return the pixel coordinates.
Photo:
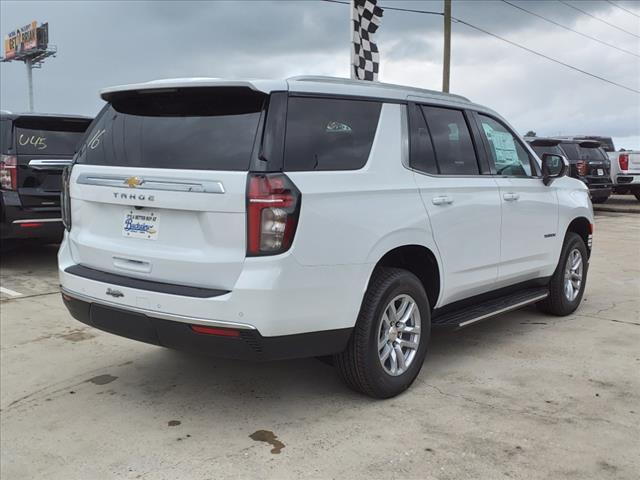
(302, 84)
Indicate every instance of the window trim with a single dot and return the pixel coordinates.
(535, 170)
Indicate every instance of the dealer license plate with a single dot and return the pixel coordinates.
(140, 224)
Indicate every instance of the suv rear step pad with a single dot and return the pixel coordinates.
(466, 316)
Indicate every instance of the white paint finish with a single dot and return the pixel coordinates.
(201, 241)
(466, 230)
(533, 213)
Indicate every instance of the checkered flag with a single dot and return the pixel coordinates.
(365, 58)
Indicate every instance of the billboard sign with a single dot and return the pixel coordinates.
(24, 40)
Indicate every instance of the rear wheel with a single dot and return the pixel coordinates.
(389, 342)
(568, 281)
(637, 195)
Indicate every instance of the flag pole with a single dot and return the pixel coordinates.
(352, 21)
(446, 63)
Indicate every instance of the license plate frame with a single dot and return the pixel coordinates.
(144, 224)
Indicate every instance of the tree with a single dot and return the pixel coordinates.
(530, 133)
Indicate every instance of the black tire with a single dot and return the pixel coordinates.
(600, 199)
(359, 365)
(637, 195)
(557, 302)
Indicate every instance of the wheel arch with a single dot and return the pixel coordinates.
(420, 261)
(583, 227)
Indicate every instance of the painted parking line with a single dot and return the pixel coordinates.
(11, 293)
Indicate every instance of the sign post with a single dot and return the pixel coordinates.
(29, 44)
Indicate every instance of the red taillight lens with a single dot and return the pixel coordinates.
(273, 208)
(8, 172)
(219, 332)
(582, 168)
(623, 161)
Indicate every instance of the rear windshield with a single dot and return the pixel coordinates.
(48, 137)
(571, 150)
(555, 150)
(199, 129)
(589, 154)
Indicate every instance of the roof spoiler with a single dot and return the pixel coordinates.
(544, 142)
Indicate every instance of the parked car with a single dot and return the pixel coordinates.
(589, 163)
(605, 142)
(625, 172)
(313, 216)
(35, 147)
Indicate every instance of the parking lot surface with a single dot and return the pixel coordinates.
(523, 395)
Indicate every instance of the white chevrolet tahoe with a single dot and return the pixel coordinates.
(312, 217)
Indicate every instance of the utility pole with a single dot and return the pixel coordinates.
(446, 63)
(29, 63)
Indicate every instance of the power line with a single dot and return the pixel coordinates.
(570, 29)
(457, 20)
(398, 9)
(622, 8)
(599, 19)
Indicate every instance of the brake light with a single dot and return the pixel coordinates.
(623, 161)
(582, 168)
(273, 208)
(219, 332)
(8, 172)
(30, 225)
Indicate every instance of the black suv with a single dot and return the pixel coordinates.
(35, 149)
(589, 162)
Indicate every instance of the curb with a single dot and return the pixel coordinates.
(615, 209)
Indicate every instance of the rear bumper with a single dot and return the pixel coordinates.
(247, 344)
(628, 182)
(24, 223)
(276, 296)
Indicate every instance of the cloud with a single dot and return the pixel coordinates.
(107, 43)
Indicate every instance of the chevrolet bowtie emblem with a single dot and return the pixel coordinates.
(133, 182)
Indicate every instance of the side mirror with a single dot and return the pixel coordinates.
(553, 166)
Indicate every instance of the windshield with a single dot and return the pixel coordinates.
(200, 129)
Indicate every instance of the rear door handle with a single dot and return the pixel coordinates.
(442, 200)
(511, 197)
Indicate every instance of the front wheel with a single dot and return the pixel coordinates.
(389, 342)
(568, 281)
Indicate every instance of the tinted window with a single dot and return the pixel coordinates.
(40, 142)
(507, 153)
(555, 150)
(454, 150)
(589, 154)
(329, 134)
(421, 151)
(193, 128)
(570, 151)
(5, 136)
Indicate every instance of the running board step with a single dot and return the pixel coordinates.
(466, 316)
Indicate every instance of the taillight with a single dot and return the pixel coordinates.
(8, 172)
(65, 198)
(273, 208)
(582, 168)
(623, 161)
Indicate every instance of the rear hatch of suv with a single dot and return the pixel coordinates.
(589, 161)
(158, 189)
(44, 145)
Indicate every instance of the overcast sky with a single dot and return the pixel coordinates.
(107, 43)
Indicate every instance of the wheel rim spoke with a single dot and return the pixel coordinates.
(399, 335)
(573, 275)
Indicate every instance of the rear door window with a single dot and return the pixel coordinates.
(541, 150)
(199, 129)
(455, 154)
(329, 134)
